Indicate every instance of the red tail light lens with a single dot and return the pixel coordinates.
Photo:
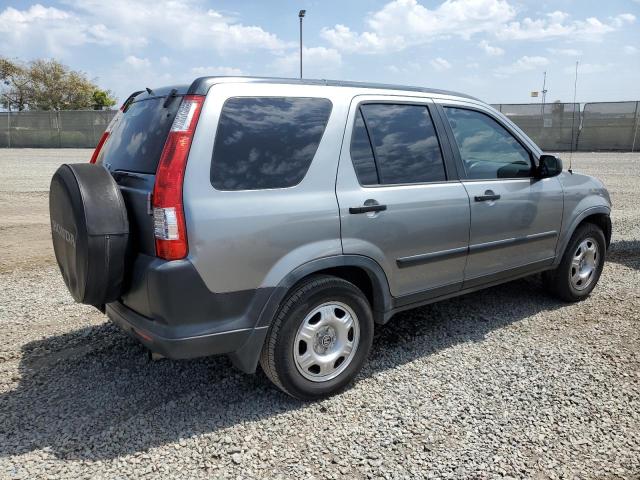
(168, 212)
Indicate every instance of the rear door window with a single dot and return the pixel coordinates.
(405, 145)
(267, 142)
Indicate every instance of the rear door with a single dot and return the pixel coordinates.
(515, 217)
(400, 200)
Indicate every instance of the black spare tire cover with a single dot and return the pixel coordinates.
(90, 231)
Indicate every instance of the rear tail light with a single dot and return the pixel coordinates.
(168, 212)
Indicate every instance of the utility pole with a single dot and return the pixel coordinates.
(301, 14)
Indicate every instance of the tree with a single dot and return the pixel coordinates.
(46, 84)
(16, 84)
(103, 99)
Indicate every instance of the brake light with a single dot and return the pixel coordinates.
(105, 135)
(168, 212)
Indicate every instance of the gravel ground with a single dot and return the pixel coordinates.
(506, 382)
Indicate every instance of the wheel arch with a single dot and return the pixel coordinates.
(599, 216)
(363, 271)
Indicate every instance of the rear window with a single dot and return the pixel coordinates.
(137, 141)
(267, 142)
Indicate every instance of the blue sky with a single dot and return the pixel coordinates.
(496, 50)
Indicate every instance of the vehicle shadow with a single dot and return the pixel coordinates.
(91, 394)
(626, 253)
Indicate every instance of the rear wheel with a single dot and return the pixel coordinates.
(581, 265)
(319, 338)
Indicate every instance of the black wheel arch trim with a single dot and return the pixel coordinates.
(382, 300)
(247, 356)
(563, 241)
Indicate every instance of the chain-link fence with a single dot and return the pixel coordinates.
(610, 126)
(554, 126)
(559, 126)
(63, 129)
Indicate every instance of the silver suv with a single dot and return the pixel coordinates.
(277, 221)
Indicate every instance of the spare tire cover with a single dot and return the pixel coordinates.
(90, 231)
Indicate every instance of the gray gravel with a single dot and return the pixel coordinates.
(501, 383)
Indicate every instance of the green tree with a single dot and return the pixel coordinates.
(46, 84)
(103, 99)
(16, 84)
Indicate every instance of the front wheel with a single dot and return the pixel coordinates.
(581, 265)
(319, 339)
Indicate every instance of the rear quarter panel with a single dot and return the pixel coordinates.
(249, 239)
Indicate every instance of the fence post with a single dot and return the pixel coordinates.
(9, 128)
(58, 125)
(635, 128)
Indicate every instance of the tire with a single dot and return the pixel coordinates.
(89, 231)
(571, 280)
(309, 334)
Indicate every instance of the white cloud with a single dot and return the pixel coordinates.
(343, 38)
(400, 24)
(185, 23)
(630, 49)
(221, 71)
(556, 25)
(176, 24)
(491, 50)
(523, 64)
(403, 23)
(440, 64)
(137, 63)
(54, 31)
(316, 61)
(568, 52)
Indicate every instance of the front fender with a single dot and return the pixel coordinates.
(577, 219)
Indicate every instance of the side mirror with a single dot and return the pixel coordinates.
(549, 166)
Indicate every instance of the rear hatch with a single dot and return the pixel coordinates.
(132, 152)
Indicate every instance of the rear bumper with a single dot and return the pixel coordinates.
(169, 342)
(169, 309)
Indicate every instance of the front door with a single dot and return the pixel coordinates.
(515, 217)
(400, 200)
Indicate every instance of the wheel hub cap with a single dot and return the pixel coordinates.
(326, 341)
(584, 264)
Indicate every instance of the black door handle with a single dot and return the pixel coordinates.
(484, 198)
(367, 208)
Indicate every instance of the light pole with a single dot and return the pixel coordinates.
(301, 16)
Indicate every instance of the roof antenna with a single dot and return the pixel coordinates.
(573, 118)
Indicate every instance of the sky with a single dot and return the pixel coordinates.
(496, 50)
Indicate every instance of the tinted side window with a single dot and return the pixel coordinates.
(362, 153)
(405, 143)
(487, 149)
(267, 142)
